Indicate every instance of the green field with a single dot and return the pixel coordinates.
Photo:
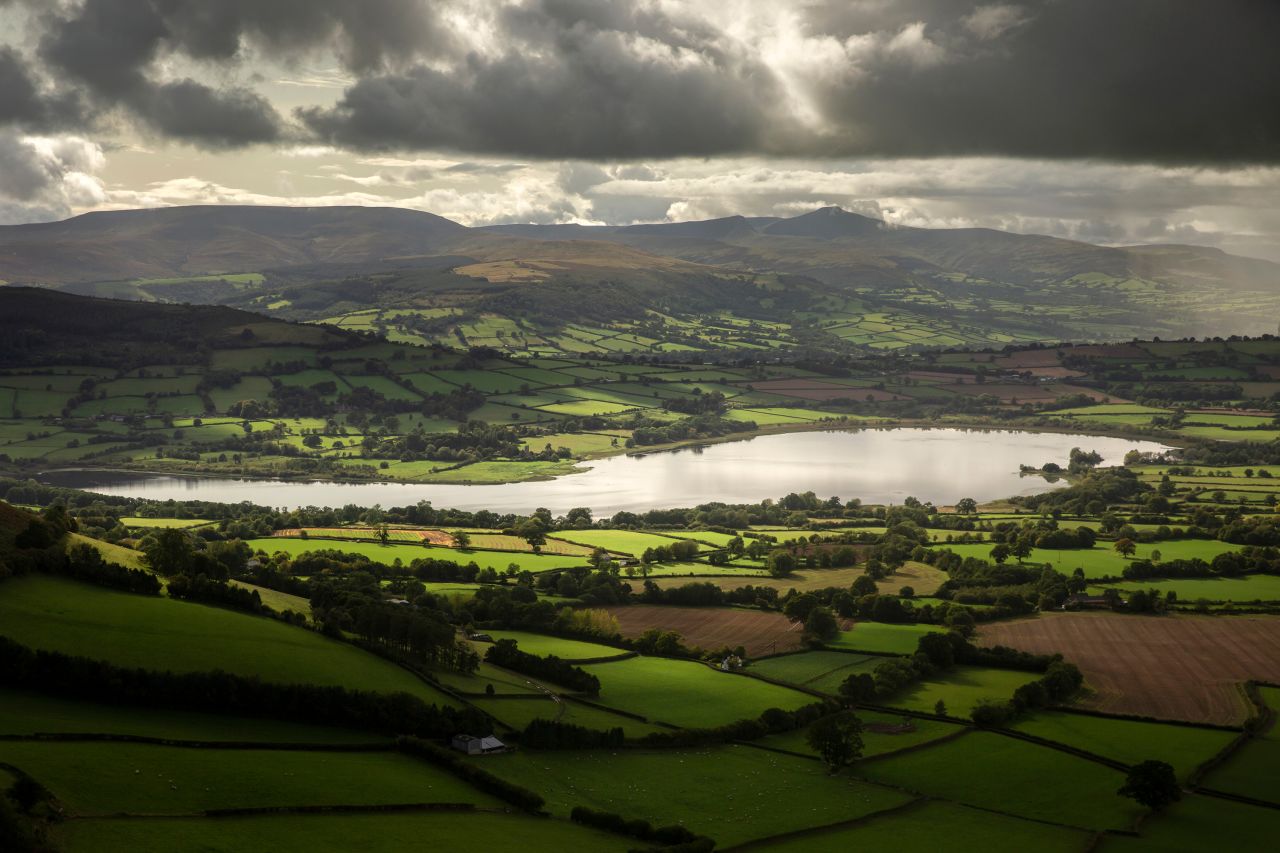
(26, 713)
(995, 772)
(873, 742)
(883, 638)
(111, 778)
(406, 554)
(620, 541)
(1247, 588)
(160, 633)
(1254, 769)
(1102, 560)
(823, 671)
(1130, 741)
(731, 793)
(1197, 824)
(542, 644)
(481, 832)
(960, 687)
(923, 828)
(689, 694)
(517, 713)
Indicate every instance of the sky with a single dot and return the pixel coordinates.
(1109, 121)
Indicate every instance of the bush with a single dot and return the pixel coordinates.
(991, 713)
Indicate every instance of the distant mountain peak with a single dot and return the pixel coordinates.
(826, 223)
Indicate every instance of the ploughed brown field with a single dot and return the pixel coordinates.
(924, 579)
(714, 627)
(1171, 667)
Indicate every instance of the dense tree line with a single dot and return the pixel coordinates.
(506, 654)
(552, 734)
(635, 827)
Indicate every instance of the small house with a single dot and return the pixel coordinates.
(472, 745)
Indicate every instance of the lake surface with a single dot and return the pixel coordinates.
(876, 465)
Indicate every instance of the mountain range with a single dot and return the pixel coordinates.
(308, 263)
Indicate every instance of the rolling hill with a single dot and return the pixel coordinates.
(829, 277)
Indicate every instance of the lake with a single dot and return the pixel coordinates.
(876, 465)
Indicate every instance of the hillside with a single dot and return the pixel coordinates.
(829, 278)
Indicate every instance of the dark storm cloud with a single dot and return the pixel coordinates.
(27, 103)
(571, 82)
(1151, 80)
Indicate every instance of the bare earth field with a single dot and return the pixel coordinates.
(713, 627)
(924, 579)
(1171, 667)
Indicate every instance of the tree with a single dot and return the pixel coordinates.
(999, 553)
(1126, 547)
(837, 738)
(863, 585)
(1153, 784)
(169, 551)
(966, 506)
(461, 538)
(821, 625)
(940, 708)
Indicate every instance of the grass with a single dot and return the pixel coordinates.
(517, 713)
(162, 523)
(541, 644)
(93, 778)
(388, 554)
(160, 633)
(882, 637)
(960, 688)
(1130, 741)
(1102, 560)
(619, 541)
(1254, 770)
(685, 693)
(873, 742)
(126, 557)
(920, 830)
(731, 793)
(1012, 776)
(1199, 823)
(1247, 588)
(371, 833)
(26, 713)
(823, 671)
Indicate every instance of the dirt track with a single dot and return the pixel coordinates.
(713, 627)
(1172, 667)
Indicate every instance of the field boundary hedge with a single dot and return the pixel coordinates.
(1262, 722)
(916, 747)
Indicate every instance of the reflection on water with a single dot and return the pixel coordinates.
(876, 465)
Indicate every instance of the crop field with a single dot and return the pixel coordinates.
(713, 628)
(26, 713)
(95, 779)
(388, 554)
(687, 693)
(732, 793)
(882, 638)
(133, 630)
(1130, 741)
(960, 689)
(162, 523)
(543, 644)
(1196, 683)
(1012, 776)
(477, 832)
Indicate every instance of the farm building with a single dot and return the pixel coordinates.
(1082, 600)
(473, 745)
